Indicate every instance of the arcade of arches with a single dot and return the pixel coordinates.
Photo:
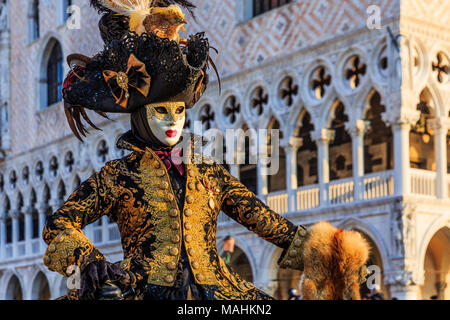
(378, 148)
(437, 267)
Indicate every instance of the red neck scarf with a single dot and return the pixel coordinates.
(172, 158)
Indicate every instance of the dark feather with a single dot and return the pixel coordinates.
(86, 118)
(112, 26)
(97, 6)
(70, 120)
(210, 60)
(74, 115)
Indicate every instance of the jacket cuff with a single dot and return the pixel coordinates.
(70, 248)
(292, 257)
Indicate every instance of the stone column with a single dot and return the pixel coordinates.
(15, 231)
(291, 171)
(262, 180)
(401, 285)
(42, 208)
(2, 237)
(323, 138)
(402, 180)
(440, 128)
(234, 171)
(357, 132)
(28, 229)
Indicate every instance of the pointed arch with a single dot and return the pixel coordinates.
(307, 152)
(340, 148)
(8, 219)
(244, 250)
(422, 137)
(76, 182)
(378, 137)
(14, 289)
(247, 165)
(21, 217)
(61, 191)
(276, 181)
(434, 260)
(50, 71)
(34, 215)
(40, 289)
(46, 194)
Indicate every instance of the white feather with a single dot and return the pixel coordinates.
(126, 7)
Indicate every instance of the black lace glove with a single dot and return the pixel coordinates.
(102, 280)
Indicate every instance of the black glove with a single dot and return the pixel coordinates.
(103, 280)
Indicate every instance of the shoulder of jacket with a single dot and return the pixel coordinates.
(118, 164)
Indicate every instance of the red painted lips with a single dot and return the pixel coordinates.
(171, 133)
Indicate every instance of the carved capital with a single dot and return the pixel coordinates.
(42, 207)
(405, 207)
(292, 142)
(405, 121)
(359, 128)
(323, 135)
(27, 210)
(399, 278)
(14, 213)
(439, 124)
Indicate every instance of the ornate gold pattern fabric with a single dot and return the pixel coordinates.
(293, 257)
(70, 248)
(136, 193)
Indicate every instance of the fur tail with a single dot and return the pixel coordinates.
(333, 259)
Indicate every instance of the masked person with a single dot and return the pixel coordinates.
(165, 196)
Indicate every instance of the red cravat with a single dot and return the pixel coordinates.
(172, 158)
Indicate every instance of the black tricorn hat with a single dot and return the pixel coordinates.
(134, 71)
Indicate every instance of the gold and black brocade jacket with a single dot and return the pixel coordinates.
(137, 194)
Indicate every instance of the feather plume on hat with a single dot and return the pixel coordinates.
(148, 16)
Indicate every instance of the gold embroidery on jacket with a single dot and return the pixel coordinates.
(160, 201)
(67, 249)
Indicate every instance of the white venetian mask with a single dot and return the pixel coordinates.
(166, 120)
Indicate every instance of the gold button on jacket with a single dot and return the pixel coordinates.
(132, 192)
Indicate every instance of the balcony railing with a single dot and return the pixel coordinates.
(341, 191)
(113, 233)
(9, 251)
(21, 248)
(423, 182)
(374, 186)
(308, 197)
(35, 246)
(378, 185)
(278, 201)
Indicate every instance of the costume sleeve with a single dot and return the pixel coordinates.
(63, 230)
(244, 207)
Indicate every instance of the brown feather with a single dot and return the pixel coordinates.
(86, 118)
(217, 73)
(78, 123)
(70, 120)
